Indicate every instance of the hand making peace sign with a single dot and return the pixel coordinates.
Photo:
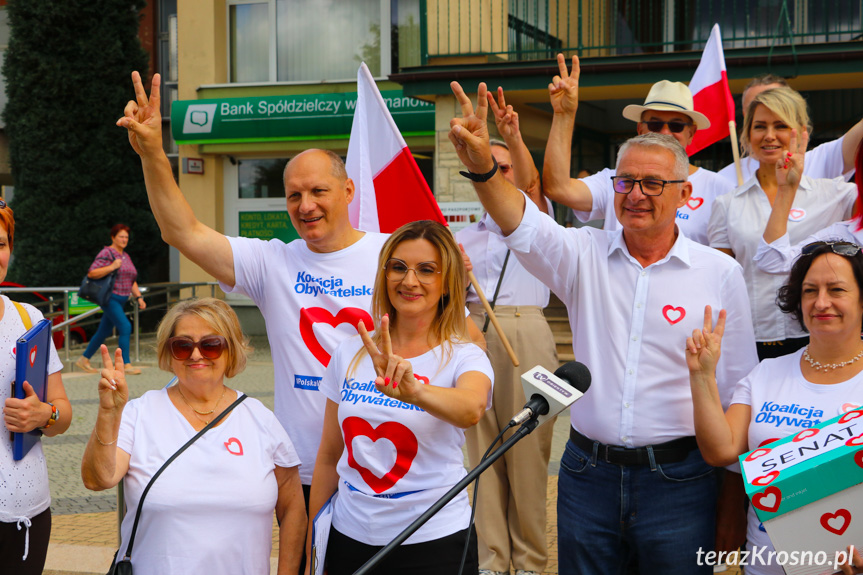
(142, 117)
(563, 89)
(395, 374)
(704, 346)
(113, 391)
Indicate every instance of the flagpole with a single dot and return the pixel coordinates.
(493, 319)
(735, 150)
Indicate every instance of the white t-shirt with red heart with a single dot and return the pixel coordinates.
(784, 403)
(311, 302)
(398, 459)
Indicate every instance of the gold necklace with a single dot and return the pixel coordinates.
(186, 401)
(818, 366)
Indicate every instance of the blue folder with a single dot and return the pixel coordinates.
(31, 365)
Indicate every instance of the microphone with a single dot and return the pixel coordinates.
(550, 393)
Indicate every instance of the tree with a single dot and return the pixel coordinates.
(67, 70)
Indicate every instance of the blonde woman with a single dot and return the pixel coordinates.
(398, 403)
(212, 509)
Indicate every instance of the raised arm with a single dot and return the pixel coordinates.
(526, 174)
(852, 140)
(469, 135)
(179, 226)
(788, 174)
(556, 181)
(721, 436)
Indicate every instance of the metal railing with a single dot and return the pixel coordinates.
(518, 30)
(161, 295)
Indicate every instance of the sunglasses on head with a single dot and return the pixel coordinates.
(211, 347)
(674, 126)
(839, 248)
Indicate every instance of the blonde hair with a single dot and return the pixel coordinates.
(220, 317)
(786, 103)
(450, 324)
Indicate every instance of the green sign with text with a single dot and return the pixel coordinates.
(282, 118)
(267, 226)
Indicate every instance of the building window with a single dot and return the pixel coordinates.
(308, 40)
(260, 178)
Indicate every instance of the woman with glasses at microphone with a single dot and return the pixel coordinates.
(399, 400)
(211, 511)
(775, 132)
(824, 293)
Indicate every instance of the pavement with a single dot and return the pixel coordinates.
(84, 530)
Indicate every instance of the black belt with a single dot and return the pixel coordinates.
(668, 452)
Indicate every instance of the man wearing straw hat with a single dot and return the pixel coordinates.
(667, 109)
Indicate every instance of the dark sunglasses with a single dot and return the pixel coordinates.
(211, 347)
(674, 126)
(839, 248)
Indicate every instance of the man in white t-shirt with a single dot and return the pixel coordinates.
(507, 535)
(632, 484)
(668, 109)
(829, 160)
(312, 291)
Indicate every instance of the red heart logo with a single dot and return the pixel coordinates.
(850, 415)
(768, 500)
(836, 523)
(694, 203)
(756, 454)
(855, 441)
(422, 378)
(673, 314)
(401, 437)
(312, 315)
(846, 407)
(795, 215)
(858, 458)
(805, 434)
(766, 441)
(234, 446)
(33, 355)
(765, 479)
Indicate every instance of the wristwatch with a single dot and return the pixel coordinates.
(480, 178)
(55, 415)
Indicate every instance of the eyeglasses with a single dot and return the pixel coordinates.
(396, 270)
(649, 186)
(2, 204)
(211, 347)
(674, 126)
(839, 248)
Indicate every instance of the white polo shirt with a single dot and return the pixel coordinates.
(692, 218)
(487, 252)
(630, 324)
(778, 256)
(824, 161)
(738, 223)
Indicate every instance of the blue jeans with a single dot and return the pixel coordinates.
(112, 316)
(659, 515)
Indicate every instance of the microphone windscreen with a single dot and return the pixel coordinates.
(576, 374)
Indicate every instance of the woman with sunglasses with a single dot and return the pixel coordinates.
(211, 511)
(824, 293)
(775, 132)
(416, 383)
(115, 259)
(25, 496)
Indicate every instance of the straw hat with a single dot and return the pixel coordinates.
(665, 96)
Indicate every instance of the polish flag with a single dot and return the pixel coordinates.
(390, 189)
(711, 95)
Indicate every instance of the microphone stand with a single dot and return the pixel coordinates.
(522, 432)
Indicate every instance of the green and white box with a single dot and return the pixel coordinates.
(807, 490)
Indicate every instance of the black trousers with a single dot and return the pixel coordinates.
(438, 557)
(12, 542)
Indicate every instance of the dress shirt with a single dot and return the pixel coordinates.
(692, 217)
(738, 223)
(487, 251)
(778, 256)
(630, 324)
(824, 161)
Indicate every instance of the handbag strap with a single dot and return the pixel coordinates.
(25, 317)
(496, 292)
(238, 401)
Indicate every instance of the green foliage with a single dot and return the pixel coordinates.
(68, 68)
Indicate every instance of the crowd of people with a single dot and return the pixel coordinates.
(371, 425)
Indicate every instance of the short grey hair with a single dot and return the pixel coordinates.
(664, 141)
(498, 143)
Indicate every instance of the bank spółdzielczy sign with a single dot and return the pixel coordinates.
(283, 118)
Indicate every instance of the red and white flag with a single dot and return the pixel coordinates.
(390, 189)
(711, 95)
